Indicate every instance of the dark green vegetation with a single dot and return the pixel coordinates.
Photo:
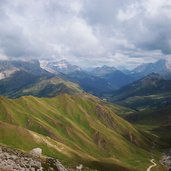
(20, 78)
(77, 128)
(12, 85)
(23, 83)
(150, 99)
(152, 91)
(157, 121)
(51, 87)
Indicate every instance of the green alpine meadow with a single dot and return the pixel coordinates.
(74, 129)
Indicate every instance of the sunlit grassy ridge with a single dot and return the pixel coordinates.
(51, 87)
(20, 85)
(73, 128)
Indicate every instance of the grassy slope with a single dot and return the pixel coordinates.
(152, 101)
(149, 85)
(51, 87)
(154, 121)
(151, 91)
(157, 121)
(9, 86)
(74, 127)
(23, 83)
(119, 109)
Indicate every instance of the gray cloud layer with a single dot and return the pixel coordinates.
(86, 32)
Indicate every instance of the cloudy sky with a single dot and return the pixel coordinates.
(86, 32)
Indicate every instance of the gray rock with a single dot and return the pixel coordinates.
(60, 166)
(36, 152)
(15, 160)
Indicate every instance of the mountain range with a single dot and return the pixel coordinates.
(100, 81)
(110, 78)
(50, 106)
(104, 70)
(61, 66)
(162, 67)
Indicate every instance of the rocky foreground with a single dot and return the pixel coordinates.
(166, 160)
(14, 160)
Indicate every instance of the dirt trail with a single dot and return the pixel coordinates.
(152, 155)
(151, 166)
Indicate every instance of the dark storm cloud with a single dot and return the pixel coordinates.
(94, 31)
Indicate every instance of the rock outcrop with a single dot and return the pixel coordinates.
(166, 160)
(15, 160)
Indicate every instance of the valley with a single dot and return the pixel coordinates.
(56, 112)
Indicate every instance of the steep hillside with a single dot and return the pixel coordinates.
(150, 91)
(157, 121)
(76, 128)
(50, 87)
(147, 102)
(15, 82)
(23, 83)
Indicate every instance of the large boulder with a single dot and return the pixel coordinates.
(36, 152)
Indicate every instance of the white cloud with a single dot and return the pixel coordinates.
(86, 31)
(3, 56)
(131, 11)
